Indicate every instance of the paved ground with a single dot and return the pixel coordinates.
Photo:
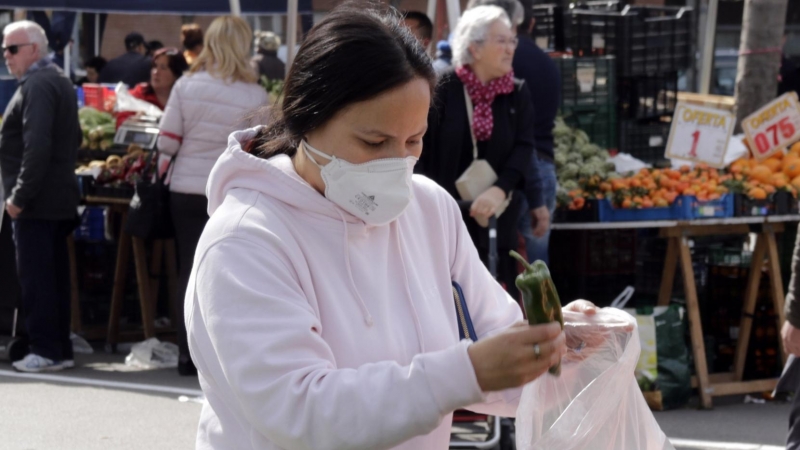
(103, 405)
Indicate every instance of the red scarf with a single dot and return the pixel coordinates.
(482, 96)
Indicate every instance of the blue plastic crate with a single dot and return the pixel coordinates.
(694, 209)
(608, 213)
(92, 226)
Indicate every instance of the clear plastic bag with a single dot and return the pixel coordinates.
(127, 102)
(153, 354)
(596, 403)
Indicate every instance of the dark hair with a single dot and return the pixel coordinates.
(191, 36)
(96, 62)
(133, 40)
(175, 61)
(527, 7)
(154, 46)
(425, 24)
(354, 54)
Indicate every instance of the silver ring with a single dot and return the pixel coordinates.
(537, 350)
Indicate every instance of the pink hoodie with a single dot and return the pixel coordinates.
(313, 330)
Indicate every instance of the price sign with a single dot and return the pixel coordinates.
(773, 127)
(700, 134)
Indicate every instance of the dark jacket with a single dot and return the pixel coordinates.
(131, 68)
(789, 76)
(39, 141)
(447, 148)
(544, 81)
(792, 306)
(269, 65)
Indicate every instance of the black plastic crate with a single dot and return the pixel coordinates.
(549, 30)
(646, 40)
(648, 96)
(589, 213)
(599, 122)
(646, 141)
(785, 203)
(589, 81)
(552, 26)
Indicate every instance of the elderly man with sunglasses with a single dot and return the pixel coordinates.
(39, 140)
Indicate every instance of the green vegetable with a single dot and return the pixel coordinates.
(539, 296)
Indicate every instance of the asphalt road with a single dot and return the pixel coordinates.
(108, 406)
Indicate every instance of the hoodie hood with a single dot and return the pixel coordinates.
(275, 177)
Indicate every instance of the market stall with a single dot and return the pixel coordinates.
(679, 256)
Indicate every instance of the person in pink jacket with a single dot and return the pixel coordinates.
(320, 311)
(216, 97)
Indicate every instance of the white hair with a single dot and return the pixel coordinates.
(514, 8)
(36, 34)
(472, 28)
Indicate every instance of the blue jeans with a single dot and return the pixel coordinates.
(537, 248)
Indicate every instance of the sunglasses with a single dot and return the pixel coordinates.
(13, 49)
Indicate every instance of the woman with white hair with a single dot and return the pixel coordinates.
(482, 114)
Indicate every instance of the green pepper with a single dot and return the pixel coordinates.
(539, 296)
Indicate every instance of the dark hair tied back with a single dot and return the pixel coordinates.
(357, 52)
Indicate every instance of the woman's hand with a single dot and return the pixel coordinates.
(509, 359)
(487, 204)
(585, 334)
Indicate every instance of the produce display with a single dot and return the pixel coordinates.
(584, 175)
(98, 129)
(120, 171)
(539, 296)
(580, 165)
(759, 180)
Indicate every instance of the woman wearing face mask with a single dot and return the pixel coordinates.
(483, 114)
(320, 311)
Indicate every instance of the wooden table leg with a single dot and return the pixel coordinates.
(143, 280)
(668, 275)
(120, 276)
(749, 307)
(693, 309)
(175, 303)
(155, 273)
(776, 284)
(75, 299)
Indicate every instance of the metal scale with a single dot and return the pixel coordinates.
(139, 130)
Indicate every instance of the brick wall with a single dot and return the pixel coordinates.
(164, 28)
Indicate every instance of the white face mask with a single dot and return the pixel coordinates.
(376, 192)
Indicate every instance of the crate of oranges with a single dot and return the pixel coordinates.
(766, 187)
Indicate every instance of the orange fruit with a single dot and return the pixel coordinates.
(791, 167)
(627, 203)
(796, 182)
(769, 189)
(761, 173)
(795, 148)
(780, 180)
(758, 193)
(774, 164)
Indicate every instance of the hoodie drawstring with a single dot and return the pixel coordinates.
(417, 323)
(367, 316)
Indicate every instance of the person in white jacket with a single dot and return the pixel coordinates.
(320, 310)
(218, 96)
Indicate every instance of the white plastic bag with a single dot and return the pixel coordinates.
(595, 404)
(153, 354)
(127, 102)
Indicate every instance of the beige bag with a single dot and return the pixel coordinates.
(479, 176)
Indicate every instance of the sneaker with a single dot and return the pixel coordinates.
(35, 364)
